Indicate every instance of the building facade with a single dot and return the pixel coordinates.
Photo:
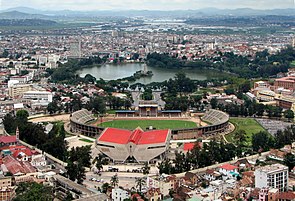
(272, 176)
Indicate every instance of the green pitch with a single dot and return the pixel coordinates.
(250, 126)
(157, 124)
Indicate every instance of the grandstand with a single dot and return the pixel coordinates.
(79, 121)
(218, 123)
(215, 117)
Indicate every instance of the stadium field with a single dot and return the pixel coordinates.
(250, 126)
(157, 124)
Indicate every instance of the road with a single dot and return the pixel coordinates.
(126, 180)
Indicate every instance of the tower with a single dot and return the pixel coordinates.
(17, 134)
(75, 49)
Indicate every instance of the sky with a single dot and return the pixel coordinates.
(145, 4)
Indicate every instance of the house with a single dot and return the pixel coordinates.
(16, 167)
(273, 194)
(276, 154)
(190, 178)
(154, 194)
(38, 160)
(287, 196)
(211, 175)
(263, 194)
(8, 140)
(243, 164)
(248, 179)
(229, 170)
(137, 197)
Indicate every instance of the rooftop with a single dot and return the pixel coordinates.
(138, 136)
(228, 167)
(272, 168)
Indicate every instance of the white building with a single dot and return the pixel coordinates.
(119, 194)
(275, 176)
(229, 170)
(38, 160)
(38, 95)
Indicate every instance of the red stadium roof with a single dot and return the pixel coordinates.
(137, 136)
(153, 137)
(115, 135)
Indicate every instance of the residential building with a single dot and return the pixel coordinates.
(18, 89)
(286, 83)
(275, 176)
(119, 194)
(229, 170)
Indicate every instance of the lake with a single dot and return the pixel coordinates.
(113, 72)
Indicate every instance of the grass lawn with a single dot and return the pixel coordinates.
(86, 140)
(251, 126)
(158, 124)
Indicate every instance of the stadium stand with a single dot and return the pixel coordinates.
(79, 121)
(218, 123)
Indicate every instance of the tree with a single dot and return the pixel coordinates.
(114, 180)
(32, 191)
(52, 107)
(240, 137)
(105, 187)
(289, 160)
(22, 115)
(99, 161)
(89, 79)
(9, 122)
(97, 105)
(140, 181)
(289, 114)
(262, 141)
(146, 168)
(213, 103)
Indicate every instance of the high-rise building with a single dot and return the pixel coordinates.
(275, 176)
(75, 49)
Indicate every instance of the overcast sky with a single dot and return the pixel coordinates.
(145, 4)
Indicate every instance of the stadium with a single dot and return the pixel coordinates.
(138, 145)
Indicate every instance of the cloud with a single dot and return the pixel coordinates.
(145, 4)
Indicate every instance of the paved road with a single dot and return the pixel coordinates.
(126, 180)
(62, 117)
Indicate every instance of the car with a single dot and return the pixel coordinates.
(92, 179)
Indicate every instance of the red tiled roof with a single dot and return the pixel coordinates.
(7, 139)
(120, 136)
(188, 146)
(228, 167)
(15, 166)
(287, 195)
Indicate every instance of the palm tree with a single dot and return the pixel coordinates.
(114, 180)
(140, 181)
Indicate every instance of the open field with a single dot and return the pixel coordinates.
(251, 126)
(158, 124)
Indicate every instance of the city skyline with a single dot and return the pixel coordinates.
(88, 5)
